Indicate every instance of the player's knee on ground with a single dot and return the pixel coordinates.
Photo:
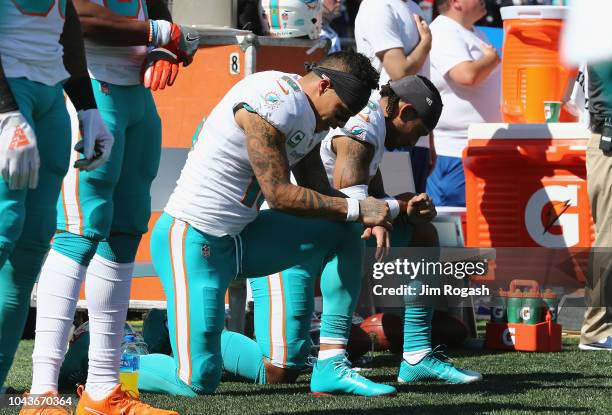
(206, 371)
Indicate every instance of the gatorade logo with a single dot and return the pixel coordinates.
(19, 139)
(525, 313)
(508, 336)
(498, 312)
(551, 216)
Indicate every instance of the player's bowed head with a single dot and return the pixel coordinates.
(338, 87)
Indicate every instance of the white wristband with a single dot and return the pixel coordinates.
(352, 210)
(394, 207)
(359, 191)
(164, 29)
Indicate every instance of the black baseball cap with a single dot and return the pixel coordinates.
(419, 92)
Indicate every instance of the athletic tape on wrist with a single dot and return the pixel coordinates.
(352, 210)
(394, 207)
(358, 192)
(163, 30)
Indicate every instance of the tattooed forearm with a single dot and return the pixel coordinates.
(266, 150)
(353, 160)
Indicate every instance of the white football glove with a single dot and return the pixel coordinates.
(19, 160)
(97, 141)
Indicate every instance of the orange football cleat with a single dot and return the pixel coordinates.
(118, 402)
(45, 404)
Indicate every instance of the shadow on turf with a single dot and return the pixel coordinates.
(463, 408)
(506, 384)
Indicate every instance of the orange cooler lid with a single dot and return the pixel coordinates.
(531, 294)
(534, 12)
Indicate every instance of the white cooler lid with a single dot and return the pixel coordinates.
(501, 131)
(534, 12)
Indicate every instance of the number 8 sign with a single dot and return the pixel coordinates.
(234, 63)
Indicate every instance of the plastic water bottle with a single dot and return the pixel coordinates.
(131, 349)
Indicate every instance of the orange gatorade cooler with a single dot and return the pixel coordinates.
(525, 186)
(525, 194)
(532, 71)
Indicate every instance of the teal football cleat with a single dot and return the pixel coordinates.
(335, 376)
(436, 366)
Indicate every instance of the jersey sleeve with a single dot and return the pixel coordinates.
(360, 127)
(282, 110)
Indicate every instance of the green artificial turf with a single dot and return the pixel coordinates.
(570, 382)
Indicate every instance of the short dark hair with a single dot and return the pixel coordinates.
(442, 5)
(354, 63)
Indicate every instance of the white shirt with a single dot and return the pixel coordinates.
(388, 24)
(463, 105)
(29, 41)
(578, 103)
(368, 126)
(119, 65)
(217, 192)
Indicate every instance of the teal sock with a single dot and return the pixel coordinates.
(119, 247)
(242, 357)
(417, 328)
(158, 375)
(76, 247)
(17, 278)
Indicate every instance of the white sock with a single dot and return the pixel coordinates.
(326, 354)
(58, 292)
(107, 290)
(415, 357)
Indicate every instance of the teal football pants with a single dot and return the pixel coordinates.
(112, 204)
(27, 217)
(196, 268)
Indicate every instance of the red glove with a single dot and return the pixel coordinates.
(159, 69)
(183, 43)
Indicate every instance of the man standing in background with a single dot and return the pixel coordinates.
(465, 69)
(397, 39)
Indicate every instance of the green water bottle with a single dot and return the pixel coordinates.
(499, 304)
(531, 311)
(515, 303)
(552, 302)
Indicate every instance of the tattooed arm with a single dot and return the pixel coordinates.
(266, 150)
(352, 168)
(353, 160)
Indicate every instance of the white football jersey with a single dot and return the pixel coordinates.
(29, 40)
(369, 126)
(217, 192)
(119, 65)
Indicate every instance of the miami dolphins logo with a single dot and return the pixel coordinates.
(272, 99)
(358, 132)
